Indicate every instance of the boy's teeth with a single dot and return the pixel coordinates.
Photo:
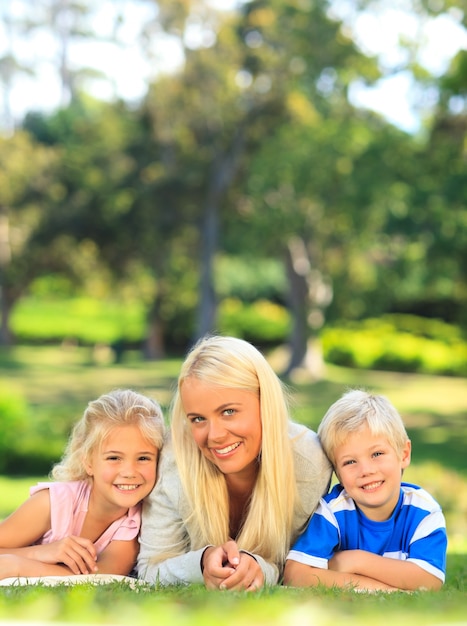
(372, 485)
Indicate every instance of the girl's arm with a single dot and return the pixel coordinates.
(119, 557)
(301, 575)
(401, 574)
(25, 526)
(16, 565)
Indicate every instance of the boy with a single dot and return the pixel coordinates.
(371, 532)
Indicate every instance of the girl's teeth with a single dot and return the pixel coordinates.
(127, 487)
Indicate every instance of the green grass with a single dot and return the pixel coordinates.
(117, 604)
(58, 382)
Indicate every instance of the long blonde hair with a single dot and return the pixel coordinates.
(120, 407)
(267, 525)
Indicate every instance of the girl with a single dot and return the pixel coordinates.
(88, 520)
(241, 480)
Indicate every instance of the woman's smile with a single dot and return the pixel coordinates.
(225, 423)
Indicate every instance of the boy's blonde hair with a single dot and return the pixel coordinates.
(121, 407)
(355, 410)
(235, 363)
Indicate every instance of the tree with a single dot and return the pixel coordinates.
(26, 178)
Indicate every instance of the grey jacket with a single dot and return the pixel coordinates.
(166, 510)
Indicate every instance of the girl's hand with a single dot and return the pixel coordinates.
(77, 553)
(225, 567)
(10, 566)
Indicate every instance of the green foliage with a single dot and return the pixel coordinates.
(14, 414)
(81, 319)
(234, 278)
(399, 343)
(27, 444)
(260, 322)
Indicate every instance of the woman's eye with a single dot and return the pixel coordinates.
(196, 420)
(229, 411)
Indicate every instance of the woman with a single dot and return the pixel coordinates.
(238, 480)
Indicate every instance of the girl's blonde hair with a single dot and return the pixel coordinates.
(121, 407)
(355, 410)
(267, 527)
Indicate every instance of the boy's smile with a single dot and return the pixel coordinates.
(370, 470)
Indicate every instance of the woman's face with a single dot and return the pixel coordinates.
(225, 424)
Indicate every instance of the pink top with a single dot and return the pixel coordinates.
(68, 508)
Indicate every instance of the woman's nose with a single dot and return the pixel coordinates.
(216, 430)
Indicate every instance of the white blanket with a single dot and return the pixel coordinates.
(94, 579)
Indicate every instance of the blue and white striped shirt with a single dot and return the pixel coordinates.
(416, 531)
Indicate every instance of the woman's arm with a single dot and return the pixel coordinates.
(404, 575)
(165, 555)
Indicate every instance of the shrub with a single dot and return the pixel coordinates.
(259, 322)
(13, 425)
(402, 343)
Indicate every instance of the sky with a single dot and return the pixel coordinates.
(378, 34)
(129, 71)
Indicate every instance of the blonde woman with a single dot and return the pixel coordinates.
(238, 480)
(87, 520)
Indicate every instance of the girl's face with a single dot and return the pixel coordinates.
(226, 426)
(123, 469)
(370, 470)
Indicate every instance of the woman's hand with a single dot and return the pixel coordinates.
(225, 567)
(77, 553)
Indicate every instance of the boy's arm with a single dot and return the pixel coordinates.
(300, 575)
(399, 574)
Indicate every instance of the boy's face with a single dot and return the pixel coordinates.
(370, 471)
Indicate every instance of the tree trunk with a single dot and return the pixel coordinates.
(309, 295)
(223, 173)
(154, 343)
(297, 268)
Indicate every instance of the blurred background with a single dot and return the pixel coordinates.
(293, 172)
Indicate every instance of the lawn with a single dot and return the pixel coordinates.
(58, 382)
